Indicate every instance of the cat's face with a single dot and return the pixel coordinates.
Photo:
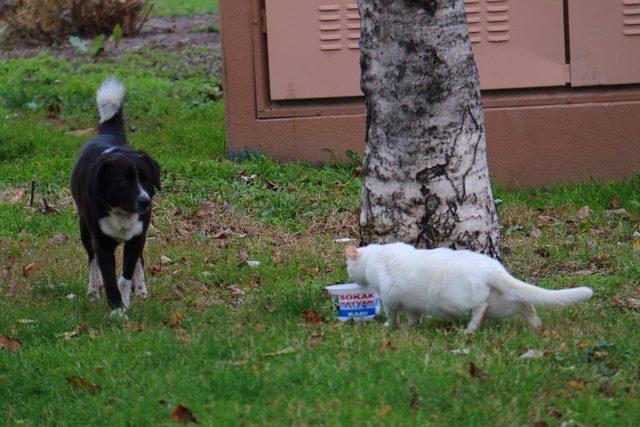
(355, 266)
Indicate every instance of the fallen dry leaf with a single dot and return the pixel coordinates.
(59, 239)
(534, 354)
(182, 414)
(607, 389)
(28, 269)
(81, 132)
(312, 317)
(235, 290)
(386, 410)
(577, 384)
(177, 319)
(256, 368)
(313, 271)
(72, 334)
(389, 345)
(315, 338)
(460, 351)
(584, 212)
(554, 412)
(243, 256)
(8, 343)
(18, 197)
(277, 255)
(540, 424)
(287, 350)
(82, 384)
(582, 344)
(415, 398)
(477, 372)
(164, 260)
(536, 233)
(583, 272)
(615, 202)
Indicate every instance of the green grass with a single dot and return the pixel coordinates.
(256, 361)
(184, 7)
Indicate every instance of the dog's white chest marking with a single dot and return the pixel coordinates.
(122, 226)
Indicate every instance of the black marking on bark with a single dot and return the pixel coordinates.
(429, 6)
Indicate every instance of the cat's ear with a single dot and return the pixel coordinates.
(352, 253)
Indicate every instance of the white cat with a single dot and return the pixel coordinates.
(447, 283)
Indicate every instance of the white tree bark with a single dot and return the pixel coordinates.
(426, 176)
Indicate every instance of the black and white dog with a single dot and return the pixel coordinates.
(112, 186)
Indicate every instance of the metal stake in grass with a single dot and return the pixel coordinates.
(33, 193)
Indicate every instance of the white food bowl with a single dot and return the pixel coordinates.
(352, 301)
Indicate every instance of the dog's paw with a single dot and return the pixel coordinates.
(125, 286)
(119, 314)
(94, 294)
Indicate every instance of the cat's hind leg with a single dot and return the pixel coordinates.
(477, 315)
(413, 319)
(393, 312)
(529, 314)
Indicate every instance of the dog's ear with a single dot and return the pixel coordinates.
(155, 169)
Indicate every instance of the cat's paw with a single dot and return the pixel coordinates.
(140, 290)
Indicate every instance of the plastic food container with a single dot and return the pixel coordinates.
(352, 301)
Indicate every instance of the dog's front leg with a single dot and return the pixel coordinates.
(133, 269)
(107, 264)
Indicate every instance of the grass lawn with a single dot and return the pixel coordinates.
(230, 341)
(184, 7)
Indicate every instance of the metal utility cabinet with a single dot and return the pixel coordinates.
(560, 80)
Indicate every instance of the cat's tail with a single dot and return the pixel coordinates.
(534, 295)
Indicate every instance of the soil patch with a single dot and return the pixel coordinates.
(168, 34)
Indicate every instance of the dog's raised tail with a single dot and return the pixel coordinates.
(537, 296)
(109, 98)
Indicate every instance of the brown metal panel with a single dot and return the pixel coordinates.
(314, 52)
(517, 43)
(313, 48)
(605, 42)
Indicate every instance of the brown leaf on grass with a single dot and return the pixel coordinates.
(81, 132)
(8, 343)
(535, 354)
(177, 319)
(165, 260)
(312, 317)
(74, 333)
(554, 412)
(583, 272)
(256, 368)
(134, 327)
(615, 202)
(277, 255)
(81, 383)
(536, 233)
(540, 424)
(389, 345)
(182, 414)
(185, 340)
(582, 344)
(313, 271)
(385, 410)
(18, 197)
(243, 256)
(542, 251)
(477, 372)
(577, 384)
(28, 269)
(415, 398)
(315, 338)
(59, 239)
(584, 212)
(282, 352)
(607, 389)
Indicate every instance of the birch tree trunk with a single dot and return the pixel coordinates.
(426, 176)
